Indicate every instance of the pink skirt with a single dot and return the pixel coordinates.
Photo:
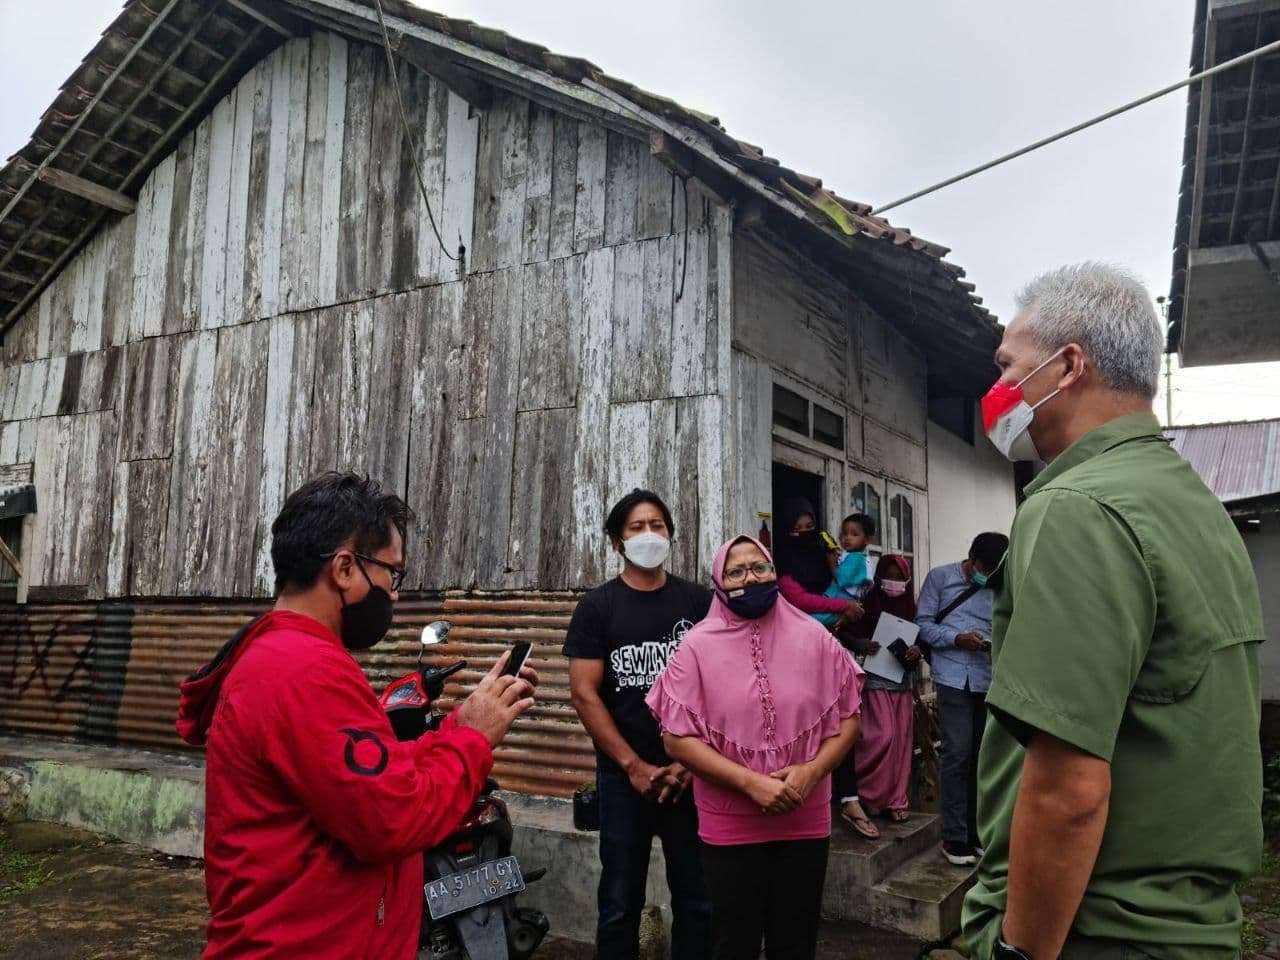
(882, 755)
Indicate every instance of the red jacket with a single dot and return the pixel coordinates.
(314, 813)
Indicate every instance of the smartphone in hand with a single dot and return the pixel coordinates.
(519, 654)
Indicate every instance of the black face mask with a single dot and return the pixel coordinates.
(809, 538)
(366, 621)
(752, 601)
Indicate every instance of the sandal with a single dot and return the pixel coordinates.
(859, 821)
(898, 816)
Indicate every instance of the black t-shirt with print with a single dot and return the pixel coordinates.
(635, 633)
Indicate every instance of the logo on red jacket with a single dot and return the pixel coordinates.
(355, 739)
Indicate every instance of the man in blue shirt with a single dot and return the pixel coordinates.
(954, 615)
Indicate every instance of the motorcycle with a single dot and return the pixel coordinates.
(470, 879)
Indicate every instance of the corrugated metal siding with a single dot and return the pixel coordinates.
(1237, 461)
(110, 671)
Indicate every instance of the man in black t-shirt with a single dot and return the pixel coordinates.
(620, 639)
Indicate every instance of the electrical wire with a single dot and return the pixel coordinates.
(1273, 47)
(408, 134)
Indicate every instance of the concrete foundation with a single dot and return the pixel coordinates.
(156, 800)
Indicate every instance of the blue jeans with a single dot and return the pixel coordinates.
(628, 824)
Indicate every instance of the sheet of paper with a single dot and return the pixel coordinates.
(883, 663)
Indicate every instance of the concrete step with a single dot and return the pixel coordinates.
(922, 897)
(857, 862)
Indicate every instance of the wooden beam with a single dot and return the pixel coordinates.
(87, 189)
(10, 274)
(261, 17)
(7, 555)
(684, 163)
(459, 80)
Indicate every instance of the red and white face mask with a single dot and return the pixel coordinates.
(1006, 416)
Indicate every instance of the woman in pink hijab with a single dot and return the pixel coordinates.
(760, 703)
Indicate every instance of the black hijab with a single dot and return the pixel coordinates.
(803, 558)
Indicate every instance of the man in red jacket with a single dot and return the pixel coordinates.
(314, 813)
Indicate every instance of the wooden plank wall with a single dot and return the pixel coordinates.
(279, 305)
(793, 321)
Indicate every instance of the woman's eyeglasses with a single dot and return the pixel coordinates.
(738, 574)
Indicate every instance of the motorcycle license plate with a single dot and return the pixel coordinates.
(472, 887)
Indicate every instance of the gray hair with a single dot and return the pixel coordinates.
(1108, 312)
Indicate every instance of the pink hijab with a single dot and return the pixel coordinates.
(764, 693)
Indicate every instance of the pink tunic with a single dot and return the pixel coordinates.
(765, 694)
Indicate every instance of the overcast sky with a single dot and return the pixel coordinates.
(878, 99)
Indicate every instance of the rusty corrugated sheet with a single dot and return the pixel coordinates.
(1237, 461)
(110, 671)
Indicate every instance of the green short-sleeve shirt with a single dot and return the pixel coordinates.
(1127, 625)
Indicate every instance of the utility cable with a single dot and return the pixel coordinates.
(408, 134)
(1273, 47)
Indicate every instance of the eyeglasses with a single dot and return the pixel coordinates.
(761, 569)
(397, 573)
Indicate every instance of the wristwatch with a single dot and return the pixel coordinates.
(1002, 951)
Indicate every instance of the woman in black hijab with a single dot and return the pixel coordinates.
(805, 564)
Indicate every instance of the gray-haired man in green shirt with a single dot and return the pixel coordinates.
(1120, 778)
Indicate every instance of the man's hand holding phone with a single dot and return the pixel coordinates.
(499, 699)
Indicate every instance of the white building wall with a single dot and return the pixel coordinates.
(971, 490)
(1264, 550)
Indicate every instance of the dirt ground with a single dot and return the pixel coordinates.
(70, 895)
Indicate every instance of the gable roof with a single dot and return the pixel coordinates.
(161, 66)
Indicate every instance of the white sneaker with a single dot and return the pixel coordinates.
(959, 854)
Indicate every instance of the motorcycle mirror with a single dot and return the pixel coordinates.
(437, 632)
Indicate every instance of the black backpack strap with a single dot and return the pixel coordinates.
(950, 608)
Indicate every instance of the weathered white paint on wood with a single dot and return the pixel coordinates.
(588, 218)
(540, 543)
(432, 147)
(498, 426)
(292, 238)
(45, 319)
(149, 400)
(458, 215)
(189, 487)
(213, 275)
(257, 201)
(301, 392)
(689, 319)
(894, 389)
(892, 455)
(331, 196)
(788, 311)
(238, 197)
(307, 244)
(627, 329)
(564, 185)
(501, 168)
(277, 66)
(751, 459)
(394, 338)
(275, 447)
(537, 201)
(197, 217)
(354, 208)
(656, 194)
(552, 333)
(622, 188)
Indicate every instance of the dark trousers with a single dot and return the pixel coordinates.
(844, 779)
(628, 824)
(766, 892)
(962, 715)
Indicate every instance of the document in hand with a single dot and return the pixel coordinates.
(888, 630)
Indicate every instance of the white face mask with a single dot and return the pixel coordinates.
(647, 550)
(1010, 429)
